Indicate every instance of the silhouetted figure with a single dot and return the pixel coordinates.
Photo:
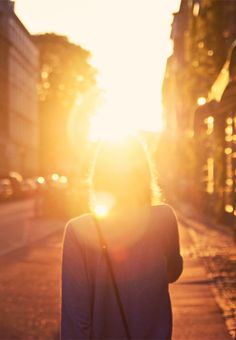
(141, 242)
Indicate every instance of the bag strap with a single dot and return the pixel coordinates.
(114, 284)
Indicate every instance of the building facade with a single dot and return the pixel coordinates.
(19, 59)
(215, 140)
(200, 80)
(202, 34)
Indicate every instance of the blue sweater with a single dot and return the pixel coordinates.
(144, 262)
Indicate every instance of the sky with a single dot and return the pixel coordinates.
(129, 42)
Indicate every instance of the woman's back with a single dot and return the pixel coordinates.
(145, 257)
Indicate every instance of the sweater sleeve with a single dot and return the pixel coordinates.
(75, 302)
(174, 259)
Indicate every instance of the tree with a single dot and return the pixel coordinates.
(66, 88)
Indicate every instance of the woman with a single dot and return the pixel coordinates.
(115, 278)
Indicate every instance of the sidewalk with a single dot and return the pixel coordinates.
(215, 246)
(195, 311)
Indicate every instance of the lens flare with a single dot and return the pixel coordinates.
(101, 210)
(102, 203)
(41, 180)
(55, 177)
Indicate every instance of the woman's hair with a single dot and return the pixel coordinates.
(123, 170)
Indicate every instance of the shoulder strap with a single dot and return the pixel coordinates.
(114, 284)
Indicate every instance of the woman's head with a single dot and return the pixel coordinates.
(122, 173)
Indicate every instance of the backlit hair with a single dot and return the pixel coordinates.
(124, 171)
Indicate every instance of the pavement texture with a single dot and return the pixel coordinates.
(33, 230)
(214, 245)
(30, 292)
(19, 226)
(196, 314)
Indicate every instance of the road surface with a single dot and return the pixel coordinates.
(19, 226)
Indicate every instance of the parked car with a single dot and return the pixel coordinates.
(16, 182)
(28, 187)
(6, 190)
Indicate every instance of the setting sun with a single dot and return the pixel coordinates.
(129, 42)
(118, 118)
(109, 124)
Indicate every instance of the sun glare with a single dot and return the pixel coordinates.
(101, 210)
(102, 203)
(107, 125)
(115, 122)
(129, 56)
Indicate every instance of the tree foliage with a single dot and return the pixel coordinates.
(65, 72)
(66, 78)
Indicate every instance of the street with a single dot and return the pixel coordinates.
(109, 107)
(29, 290)
(30, 286)
(14, 223)
(19, 226)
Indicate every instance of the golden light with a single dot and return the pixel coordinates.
(201, 101)
(229, 208)
(210, 124)
(101, 210)
(196, 9)
(210, 175)
(229, 130)
(201, 44)
(229, 121)
(228, 151)
(63, 180)
(229, 182)
(210, 53)
(44, 75)
(79, 101)
(16, 175)
(105, 126)
(46, 85)
(55, 177)
(115, 121)
(41, 180)
(210, 120)
(228, 138)
(102, 203)
(130, 58)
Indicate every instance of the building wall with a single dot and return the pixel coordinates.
(200, 51)
(202, 33)
(3, 91)
(22, 104)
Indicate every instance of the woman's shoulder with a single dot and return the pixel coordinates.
(82, 230)
(164, 213)
(80, 220)
(80, 224)
(163, 208)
